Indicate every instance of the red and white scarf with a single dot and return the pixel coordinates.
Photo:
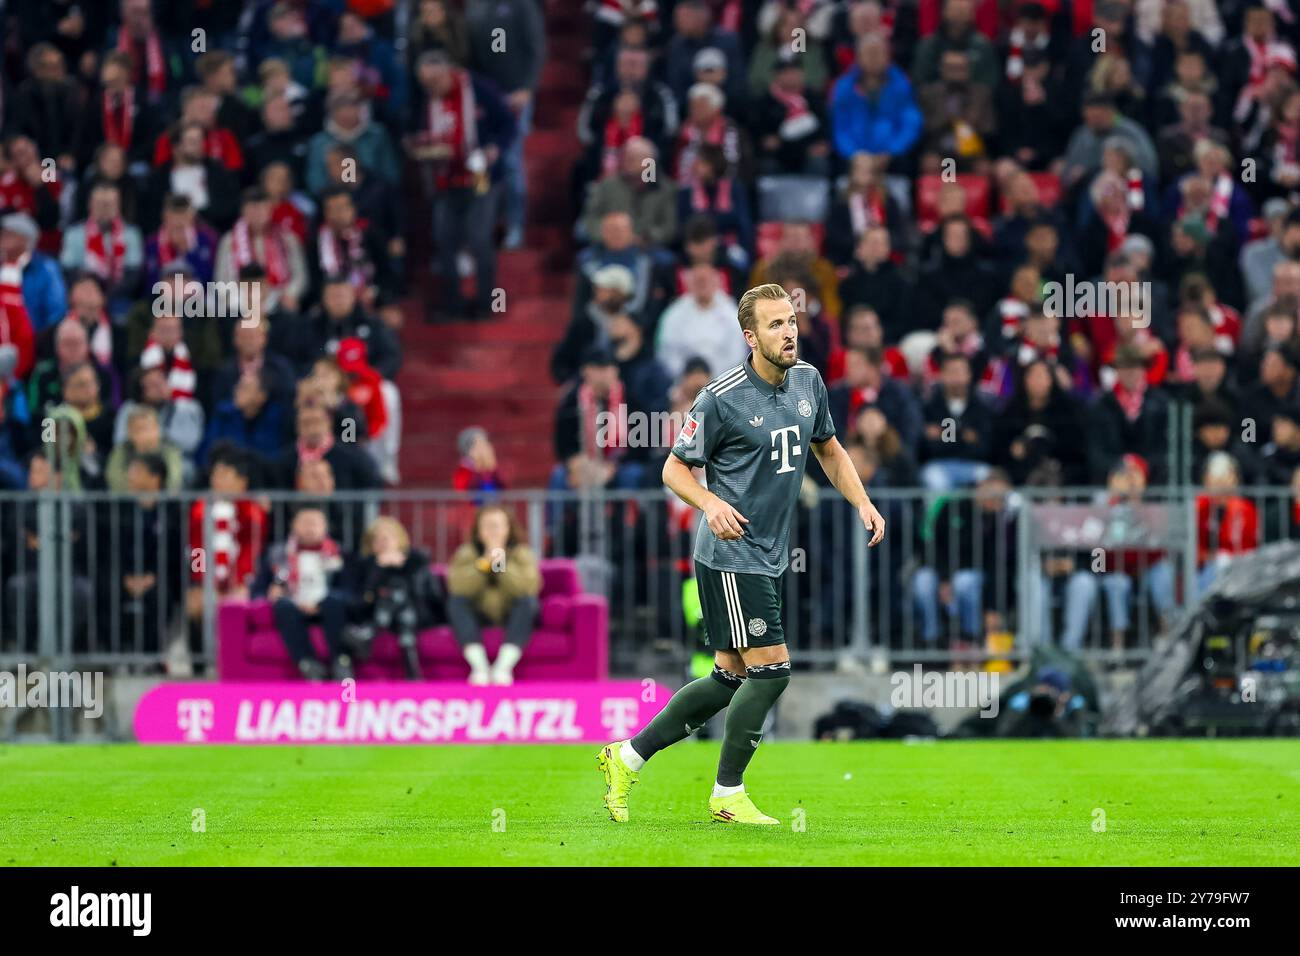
(1220, 202)
(119, 120)
(616, 136)
(721, 200)
(689, 142)
(1130, 403)
(866, 211)
(168, 253)
(328, 559)
(155, 68)
(345, 257)
(1012, 312)
(101, 337)
(616, 12)
(180, 373)
(274, 258)
(1137, 199)
(106, 260)
(453, 121)
(589, 407)
(306, 453)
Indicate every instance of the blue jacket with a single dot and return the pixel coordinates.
(44, 294)
(264, 434)
(890, 124)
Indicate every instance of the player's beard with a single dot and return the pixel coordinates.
(779, 358)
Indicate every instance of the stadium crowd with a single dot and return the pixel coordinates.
(204, 214)
(954, 191)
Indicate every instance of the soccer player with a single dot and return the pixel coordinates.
(750, 429)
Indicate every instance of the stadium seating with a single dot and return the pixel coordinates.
(570, 643)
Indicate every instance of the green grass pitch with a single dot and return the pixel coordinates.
(1220, 802)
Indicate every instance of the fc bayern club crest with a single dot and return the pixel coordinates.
(805, 408)
(757, 626)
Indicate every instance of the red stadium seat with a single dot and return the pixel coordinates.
(978, 189)
(768, 238)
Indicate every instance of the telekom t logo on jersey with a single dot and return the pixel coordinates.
(786, 451)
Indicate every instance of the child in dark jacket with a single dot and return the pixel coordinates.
(397, 591)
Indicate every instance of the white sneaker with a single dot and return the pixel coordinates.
(480, 677)
(503, 671)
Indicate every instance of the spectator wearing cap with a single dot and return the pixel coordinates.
(107, 247)
(701, 323)
(789, 122)
(1258, 258)
(618, 244)
(607, 117)
(1129, 418)
(693, 32)
(872, 108)
(212, 189)
(1209, 382)
(43, 291)
(591, 443)
(639, 188)
(250, 419)
(378, 400)
(182, 238)
(340, 315)
(477, 468)
(348, 122)
(256, 239)
(612, 291)
(516, 76)
(463, 160)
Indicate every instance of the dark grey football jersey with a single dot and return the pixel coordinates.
(753, 439)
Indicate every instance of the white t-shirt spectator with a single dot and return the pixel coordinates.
(710, 331)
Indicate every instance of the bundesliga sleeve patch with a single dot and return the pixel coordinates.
(688, 430)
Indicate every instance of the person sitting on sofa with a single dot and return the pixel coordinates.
(493, 579)
(305, 579)
(397, 590)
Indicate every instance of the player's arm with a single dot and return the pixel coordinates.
(701, 435)
(723, 520)
(837, 464)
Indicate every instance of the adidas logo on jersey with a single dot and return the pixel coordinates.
(756, 420)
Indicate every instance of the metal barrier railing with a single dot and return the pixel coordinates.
(110, 580)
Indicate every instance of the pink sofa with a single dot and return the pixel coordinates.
(571, 641)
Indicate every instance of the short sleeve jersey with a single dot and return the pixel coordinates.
(752, 439)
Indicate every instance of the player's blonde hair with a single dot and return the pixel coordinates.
(749, 301)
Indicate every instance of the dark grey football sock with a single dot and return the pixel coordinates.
(749, 709)
(687, 711)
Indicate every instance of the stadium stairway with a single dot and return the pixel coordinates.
(495, 373)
